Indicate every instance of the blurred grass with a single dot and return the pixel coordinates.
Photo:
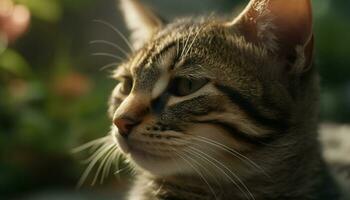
(53, 96)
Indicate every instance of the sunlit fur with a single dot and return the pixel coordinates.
(249, 133)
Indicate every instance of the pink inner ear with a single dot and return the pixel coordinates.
(293, 21)
(280, 25)
(290, 21)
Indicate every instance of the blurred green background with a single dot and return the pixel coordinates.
(53, 94)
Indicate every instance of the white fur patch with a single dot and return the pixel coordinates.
(164, 63)
(160, 85)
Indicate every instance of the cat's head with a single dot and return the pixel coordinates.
(200, 90)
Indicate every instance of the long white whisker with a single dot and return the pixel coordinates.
(108, 55)
(117, 157)
(193, 41)
(96, 152)
(102, 163)
(212, 163)
(213, 176)
(185, 46)
(120, 170)
(109, 65)
(204, 168)
(231, 151)
(208, 158)
(110, 44)
(116, 31)
(107, 167)
(89, 144)
(91, 165)
(197, 171)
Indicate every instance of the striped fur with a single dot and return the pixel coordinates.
(248, 133)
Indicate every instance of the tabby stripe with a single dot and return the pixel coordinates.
(197, 106)
(236, 98)
(166, 48)
(237, 134)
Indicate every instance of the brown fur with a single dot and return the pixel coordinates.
(265, 94)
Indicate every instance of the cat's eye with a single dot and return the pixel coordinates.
(184, 86)
(126, 85)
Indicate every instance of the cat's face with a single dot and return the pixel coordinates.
(196, 92)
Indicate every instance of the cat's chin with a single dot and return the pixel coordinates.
(157, 165)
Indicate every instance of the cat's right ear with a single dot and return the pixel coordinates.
(141, 21)
(283, 26)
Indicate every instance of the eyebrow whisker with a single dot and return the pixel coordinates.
(110, 44)
(109, 66)
(108, 55)
(116, 31)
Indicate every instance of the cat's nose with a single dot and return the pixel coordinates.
(125, 125)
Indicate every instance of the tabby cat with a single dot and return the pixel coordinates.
(211, 108)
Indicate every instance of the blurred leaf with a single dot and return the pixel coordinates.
(22, 92)
(13, 62)
(72, 85)
(48, 10)
(3, 43)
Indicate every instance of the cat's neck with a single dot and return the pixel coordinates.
(176, 188)
(305, 183)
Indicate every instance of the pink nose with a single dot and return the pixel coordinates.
(125, 125)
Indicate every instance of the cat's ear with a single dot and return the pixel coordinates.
(141, 22)
(283, 26)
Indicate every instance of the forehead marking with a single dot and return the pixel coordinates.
(155, 76)
(164, 63)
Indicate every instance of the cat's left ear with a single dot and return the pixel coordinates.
(141, 21)
(283, 26)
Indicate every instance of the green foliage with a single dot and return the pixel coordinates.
(13, 62)
(48, 10)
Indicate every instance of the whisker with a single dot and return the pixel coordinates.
(92, 164)
(193, 41)
(208, 158)
(89, 144)
(108, 55)
(204, 168)
(110, 44)
(120, 170)
(96, 152)
(117, 158)
(197, 171)
(185, 45)
(108, 165)
(116, 31)
(102, 163)
(231, 151)
(109, 65)
(234, 182)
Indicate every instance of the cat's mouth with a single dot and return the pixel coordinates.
(122, 143)
(139, 148)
